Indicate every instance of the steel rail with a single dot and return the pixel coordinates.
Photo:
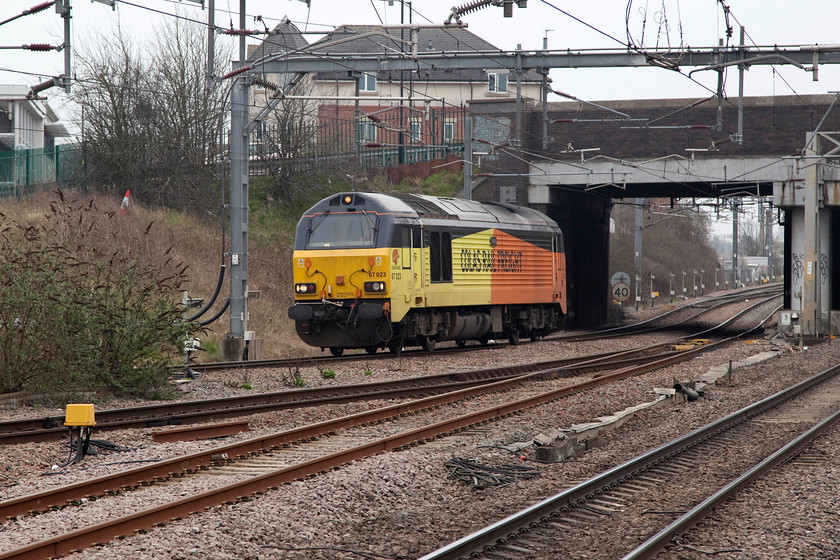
(322, 359)
(318, 360)
(133, 477)
(59, 497)
(178, 413)
(636, 328)
(64, 544)
(47, 429)
(660, 541)
(471, 546)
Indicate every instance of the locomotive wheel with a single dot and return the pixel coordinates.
(484, 340)
(428, 343)
(461, 342)
(336, 351)
(371, 349)
(533, 335)
(395, 345)
(513, 336)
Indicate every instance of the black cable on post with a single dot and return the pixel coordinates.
(209, 304)
(217, 315)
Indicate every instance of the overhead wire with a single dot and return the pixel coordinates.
(460, 72)
(652, 57)
(773, 66)
(415, 11)
(372, 5)
(631, 44)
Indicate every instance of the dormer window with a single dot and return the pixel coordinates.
(497, 82)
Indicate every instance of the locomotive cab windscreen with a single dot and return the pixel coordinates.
(348, 230)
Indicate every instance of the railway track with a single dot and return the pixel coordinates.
(611, 507)
(273, 476)
(51, 428)
(674, 319)
(695, 310)
(179, 413)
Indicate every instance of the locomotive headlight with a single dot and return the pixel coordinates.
(305, 288)
(375, 287)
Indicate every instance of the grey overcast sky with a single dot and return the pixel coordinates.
(572, 25)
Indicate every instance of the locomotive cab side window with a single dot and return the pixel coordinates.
(407, 244)
(440, 256)
(343, 230)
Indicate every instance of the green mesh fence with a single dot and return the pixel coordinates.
(23, 170)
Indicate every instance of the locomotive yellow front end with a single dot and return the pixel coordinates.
(341, 277)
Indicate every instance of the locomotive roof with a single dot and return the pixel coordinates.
(435, 207)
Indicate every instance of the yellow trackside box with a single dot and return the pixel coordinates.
(79, 415)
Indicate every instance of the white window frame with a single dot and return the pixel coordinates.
(415, 130)
(367, 83)
(367, 131)
(496, 81)
(449, 131)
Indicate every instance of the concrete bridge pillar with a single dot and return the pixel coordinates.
(811, 204)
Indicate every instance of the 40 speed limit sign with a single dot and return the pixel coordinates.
(621, 292)
(620, 286)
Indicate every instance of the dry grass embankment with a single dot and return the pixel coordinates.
(199, 243)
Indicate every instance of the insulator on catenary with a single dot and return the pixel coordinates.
(30, 11)
(239, 32)
(266, 84)
(36, 89)
(40, 47)
(471, 6)
(459, 11)
(39, 8)
(233, 73)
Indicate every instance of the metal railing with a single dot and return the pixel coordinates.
(388, 137)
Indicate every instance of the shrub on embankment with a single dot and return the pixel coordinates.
(82, 305)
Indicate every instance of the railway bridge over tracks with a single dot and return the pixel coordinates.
(580, 157)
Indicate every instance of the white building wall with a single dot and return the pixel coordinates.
(28, 117)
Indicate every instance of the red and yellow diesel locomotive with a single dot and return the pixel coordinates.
(375, 270)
